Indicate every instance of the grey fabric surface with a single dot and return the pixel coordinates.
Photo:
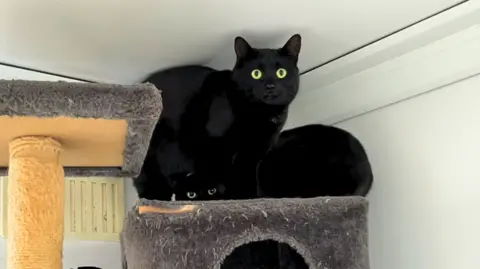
(140, 105)
(327, 232)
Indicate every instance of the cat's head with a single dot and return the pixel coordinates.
(268, 76)
(190, 187)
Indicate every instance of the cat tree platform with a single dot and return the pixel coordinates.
(50, 129)
(327, 232)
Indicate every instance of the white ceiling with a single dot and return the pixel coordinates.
(124, 40)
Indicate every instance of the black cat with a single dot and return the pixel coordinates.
(156, 181)
(315, 160)
(174, 180)
(219, 124)
(190, 187)
(237, 115)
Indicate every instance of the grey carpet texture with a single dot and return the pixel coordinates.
(328, 233)
(140, 105)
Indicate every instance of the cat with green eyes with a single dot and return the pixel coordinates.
(224, 121)
(192, 188)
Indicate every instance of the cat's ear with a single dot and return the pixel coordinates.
(292, 47)
(242, 48)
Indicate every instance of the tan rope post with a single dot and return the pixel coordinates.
(35, 204)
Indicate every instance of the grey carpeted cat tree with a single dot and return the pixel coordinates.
(53, 129)
(328, 233)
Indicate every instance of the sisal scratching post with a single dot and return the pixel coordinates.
(35, 211)
(53, 129)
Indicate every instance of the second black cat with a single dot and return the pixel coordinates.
(315, 160)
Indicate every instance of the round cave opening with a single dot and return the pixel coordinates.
(265, 254)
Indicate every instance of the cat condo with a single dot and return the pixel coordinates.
(323, 232)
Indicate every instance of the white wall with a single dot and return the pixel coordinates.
(425, 152)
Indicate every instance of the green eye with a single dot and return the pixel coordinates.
(281, 73)
(256, 74)
(191, 195)
(212, 191)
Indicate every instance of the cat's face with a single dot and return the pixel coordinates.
(191, 187)
(268, 76)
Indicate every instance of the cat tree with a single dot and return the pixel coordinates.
(52, 129)
(327, 232)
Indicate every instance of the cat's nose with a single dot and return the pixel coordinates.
(270, 86)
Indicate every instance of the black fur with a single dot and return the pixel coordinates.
(315, 160)
(165, 162)
(220, 123)
(191, 187)
(235, 119)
